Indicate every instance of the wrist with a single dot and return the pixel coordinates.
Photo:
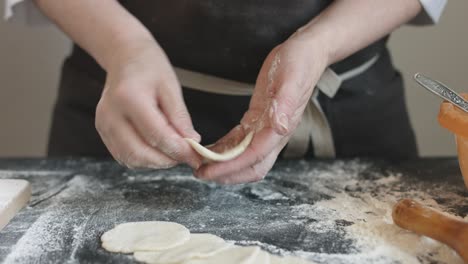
(315, 46)
(125, 46)
(323, 36)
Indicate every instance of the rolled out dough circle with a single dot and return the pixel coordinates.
(198, 246)
(144, 236)
(232, 255)
(225, 156)
(262, 257)
(288, 260)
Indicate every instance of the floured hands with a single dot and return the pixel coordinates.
(141, 117)
(284, 86)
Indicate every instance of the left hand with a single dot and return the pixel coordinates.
(282, 91)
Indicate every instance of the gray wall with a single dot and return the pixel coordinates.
(31, 58)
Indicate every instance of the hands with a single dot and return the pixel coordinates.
(291, 71)
(146, 128)
(284, 86)
(141, 117)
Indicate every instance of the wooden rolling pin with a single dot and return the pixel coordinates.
(426, 221)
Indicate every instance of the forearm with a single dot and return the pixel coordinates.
(348, 26)
(103, 28)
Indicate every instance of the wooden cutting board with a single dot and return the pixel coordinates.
(14, 195)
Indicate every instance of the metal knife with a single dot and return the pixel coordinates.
(442, 90)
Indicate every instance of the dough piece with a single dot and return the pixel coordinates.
(198, 246)
(232, 255)
(288, 260)
(144, 236)
(225, 156)
(262, 257)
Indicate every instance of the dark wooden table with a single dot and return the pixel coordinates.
(75, 201)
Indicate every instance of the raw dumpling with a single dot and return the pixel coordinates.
(225, 156)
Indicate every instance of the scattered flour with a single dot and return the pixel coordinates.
(367, 205)
(273, 69)
(374, 231)
(361, 205)
(46, 235)
(42, 231)
(267, 194)
(35, 173)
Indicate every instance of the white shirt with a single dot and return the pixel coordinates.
(26, 11)
(431, 12)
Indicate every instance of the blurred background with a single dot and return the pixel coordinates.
(31, 58)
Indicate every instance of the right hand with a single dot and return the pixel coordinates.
(141, 116)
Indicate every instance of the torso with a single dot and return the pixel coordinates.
(228, 39)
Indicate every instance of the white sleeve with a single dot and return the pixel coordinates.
(431, 12)
(24, 11)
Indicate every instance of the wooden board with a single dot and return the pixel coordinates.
(14, 195)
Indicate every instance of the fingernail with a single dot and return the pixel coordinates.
(196, 165)
(283, 124)
(195, 136)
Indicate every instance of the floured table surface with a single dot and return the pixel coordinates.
(328, 212)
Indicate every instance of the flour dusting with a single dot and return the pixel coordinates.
(364, 208)
(326, 212)
(35, 173)
(273, 69)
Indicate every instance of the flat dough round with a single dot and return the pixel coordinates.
(198, 246)
(144, 236)
(288, 260)
(262, 257)
(232, 255)
(225, 156)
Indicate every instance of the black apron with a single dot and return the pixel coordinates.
(230, 39)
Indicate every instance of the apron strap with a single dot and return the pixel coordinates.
(212, 84)
(314, 126)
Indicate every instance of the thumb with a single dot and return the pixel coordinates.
(285, 111)
(282, 92)
(177, 114)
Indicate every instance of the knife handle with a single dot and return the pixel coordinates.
(442, 90)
